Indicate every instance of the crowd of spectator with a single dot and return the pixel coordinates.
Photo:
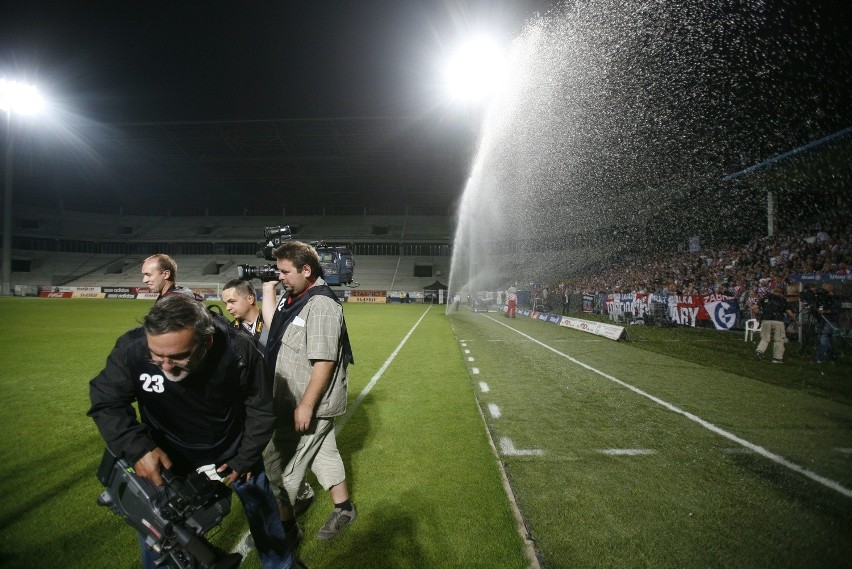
(747, 272)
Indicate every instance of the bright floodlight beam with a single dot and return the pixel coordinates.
(475, 70)
(17, 98)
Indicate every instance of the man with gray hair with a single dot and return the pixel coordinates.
(204, 403)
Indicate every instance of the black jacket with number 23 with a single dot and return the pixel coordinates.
(220, 413)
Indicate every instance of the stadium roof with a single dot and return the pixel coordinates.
(252, 166)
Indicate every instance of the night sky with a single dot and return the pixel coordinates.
(188, 61)
(736, 82)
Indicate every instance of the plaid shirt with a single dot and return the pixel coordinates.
(313, 335)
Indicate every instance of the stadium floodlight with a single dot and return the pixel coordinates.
(475, 71)
(15, 98)
(20, 98)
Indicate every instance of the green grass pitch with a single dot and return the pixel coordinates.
(609, 448)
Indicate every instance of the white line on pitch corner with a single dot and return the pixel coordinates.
(242, 547)
(364, 392)
(508, 448)
(627, 451)
(483, 387)
(474, 370)
(776, 458)
(494, 410)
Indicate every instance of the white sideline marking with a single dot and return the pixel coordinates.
(474, 370)
(471, 360)
(836, 486)
(507, 448)
(467, 351)
(369, 387)
(626, 451)
(844, 450)
(242, 548)
(484, 387)
(494, 410)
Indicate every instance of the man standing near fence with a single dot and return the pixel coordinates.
(512, 299)
(772, 309)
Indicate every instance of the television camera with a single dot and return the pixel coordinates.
(337, 261)
(173, 519)
(274, 236)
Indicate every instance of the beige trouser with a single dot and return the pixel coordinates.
(773, 329)
(289, 454)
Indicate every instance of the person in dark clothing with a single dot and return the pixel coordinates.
(828, 309)
(203, 399)
(772, 309)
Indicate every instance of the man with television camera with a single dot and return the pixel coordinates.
(203, 400)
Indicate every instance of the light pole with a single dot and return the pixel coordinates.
(18, 98)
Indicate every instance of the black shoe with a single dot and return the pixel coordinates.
(294, 536)
(338, 520)
(758, 356)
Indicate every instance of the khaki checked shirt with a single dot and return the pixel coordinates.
(312, 335)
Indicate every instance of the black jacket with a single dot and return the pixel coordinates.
(773, 307)
(221, 413)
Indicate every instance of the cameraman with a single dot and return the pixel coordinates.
(203, 399)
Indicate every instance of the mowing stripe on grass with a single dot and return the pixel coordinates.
(778, 459)
(242, 548)
(627, 451)
(375, 379)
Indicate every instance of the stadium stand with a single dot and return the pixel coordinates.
(68, 248)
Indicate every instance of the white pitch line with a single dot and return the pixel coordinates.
(241, 547)
(369, 387)
(484, 387)
(474, 370)
(467, 351)
(508, 448)
(471, 360)
(494, 410)
(843, 450)
(778, 459)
